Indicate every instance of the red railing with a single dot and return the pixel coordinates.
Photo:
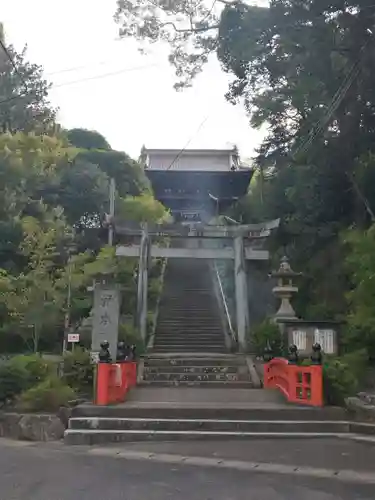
(299, 384)
(114, 381)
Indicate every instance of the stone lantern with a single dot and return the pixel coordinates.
(284, 290)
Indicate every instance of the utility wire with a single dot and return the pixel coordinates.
(103, 75)
(209, 12)
(334, 104)
(188, 142)
(96, 77)
(79, 68)
(12, 62)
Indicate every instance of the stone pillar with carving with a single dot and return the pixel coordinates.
(284, 291)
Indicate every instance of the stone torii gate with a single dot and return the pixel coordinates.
(239, 243)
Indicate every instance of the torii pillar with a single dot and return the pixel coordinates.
(242, 309)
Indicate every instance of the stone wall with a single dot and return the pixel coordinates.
(32, 427)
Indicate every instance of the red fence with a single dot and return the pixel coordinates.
(114, 381)
(299, 384)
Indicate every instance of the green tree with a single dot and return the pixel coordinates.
(360, 262)
(33, 301)
(24, 104)
(87, 139)
(129, 176)
(143, 208)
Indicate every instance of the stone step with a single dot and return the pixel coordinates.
(189, 317)
(196, 323)
(187, 293)
(183, 295)
(190, 344)
(193, 322)
(191, 347)
(196, 301)
(189, 309)
(201, 361)
(199, 370)
(173, 348)
(180, 326)
(184, 338)
(95, 437)
(181, 333)
(195, 377)
(217, 411)
(190, 339)
(186, 314)
(170, 332)
(214, 425)
(240, 384)
(181, 305)
(199, 299)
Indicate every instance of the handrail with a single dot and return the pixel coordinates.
(299, 384)
(150, 341)
(229, 321)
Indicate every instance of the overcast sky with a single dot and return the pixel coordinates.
(135, 104)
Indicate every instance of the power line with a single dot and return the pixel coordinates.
(12, 62)
(13, 98)
(78, 68)
(63, 84)
(209, 12)
(188, 142)
(104, 75)
(334, 104)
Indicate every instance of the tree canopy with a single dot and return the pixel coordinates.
(24, 104)
(54, 193)
(87, 139)
(303, 69)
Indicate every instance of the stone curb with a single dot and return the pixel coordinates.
(253, 372)
(344, 475)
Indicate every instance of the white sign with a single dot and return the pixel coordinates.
(73, 337)
(325, 339)
(94, 357)
(299, 339)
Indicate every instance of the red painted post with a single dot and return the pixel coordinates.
(124, 380)
(133, 373)
(102, 386)
(115, 383)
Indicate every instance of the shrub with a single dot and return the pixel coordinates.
(48, 396)
(339, 381)
(37, 368)
(342, 375)
(266, 333)
(79, 371)
(131, 336)
(13, 380)
(358, 361)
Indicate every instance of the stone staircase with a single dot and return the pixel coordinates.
(202, 371)
(189, 318)
(191, 387)
(184, 416)
(189, 346)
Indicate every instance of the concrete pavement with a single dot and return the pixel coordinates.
(52, 471)
(326, 453)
